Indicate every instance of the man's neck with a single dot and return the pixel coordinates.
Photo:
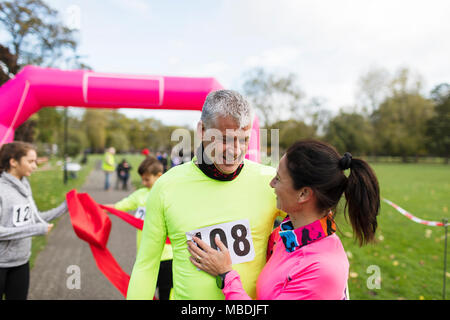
(212, 171)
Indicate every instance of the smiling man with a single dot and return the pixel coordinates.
(218, 194)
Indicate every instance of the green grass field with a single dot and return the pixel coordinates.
(409, 255)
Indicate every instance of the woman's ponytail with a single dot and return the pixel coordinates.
(318, 165)
(362, 193)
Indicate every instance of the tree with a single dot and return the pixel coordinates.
(119, 140)
(400, 121)
(292, 131)
(275, 98)
(438, 127)
(95, 121)
(77, 142)
(350, 132)
(49, 125)
(372, 89)
(35, 36)
(8, 64)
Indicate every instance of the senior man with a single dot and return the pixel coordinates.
(218, 194)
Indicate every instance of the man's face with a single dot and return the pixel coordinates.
(226, 144)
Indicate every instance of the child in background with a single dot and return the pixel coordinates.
(150, 170)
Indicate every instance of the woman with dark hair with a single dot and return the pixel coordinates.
(20, 219)
(305, 257)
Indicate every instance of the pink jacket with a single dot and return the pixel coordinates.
(305, 263)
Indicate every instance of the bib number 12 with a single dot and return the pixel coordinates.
(21, 215)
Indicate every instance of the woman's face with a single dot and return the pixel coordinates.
(287, 196)
(25, 166)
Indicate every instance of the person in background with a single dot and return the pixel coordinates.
(145, 152)
(123, 174)
(306, 259)
(165, 160)
(84, 160)
(108, 165)
(150, 170)
(176, 158)
(186, 157)
(20, 218)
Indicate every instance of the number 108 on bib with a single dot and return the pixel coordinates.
(235, 235)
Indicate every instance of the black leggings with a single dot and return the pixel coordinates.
(165, 282)
(14, 282)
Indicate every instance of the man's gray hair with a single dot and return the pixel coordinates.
(226, 103)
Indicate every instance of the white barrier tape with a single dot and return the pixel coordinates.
(413, 218)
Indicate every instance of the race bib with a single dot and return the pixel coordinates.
(21, 215)
(235, 235)
(140, 213)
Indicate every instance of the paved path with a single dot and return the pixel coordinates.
(50, 273)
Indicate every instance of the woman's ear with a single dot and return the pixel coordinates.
(304, 194)
(13, 163)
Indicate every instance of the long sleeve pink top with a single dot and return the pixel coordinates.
(305, 263)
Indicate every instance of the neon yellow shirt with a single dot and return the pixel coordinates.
(137, 201)
(109, 162)
(185, 199)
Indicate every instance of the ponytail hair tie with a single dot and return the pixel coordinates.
(346, 161)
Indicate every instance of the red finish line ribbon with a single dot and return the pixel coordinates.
(413, 218)
(135, 222)
(91, 224)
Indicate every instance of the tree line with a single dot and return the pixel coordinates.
(392, 115)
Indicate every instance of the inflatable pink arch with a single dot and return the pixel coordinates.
(34, 87)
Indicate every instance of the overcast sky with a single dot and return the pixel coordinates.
(327, 44)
